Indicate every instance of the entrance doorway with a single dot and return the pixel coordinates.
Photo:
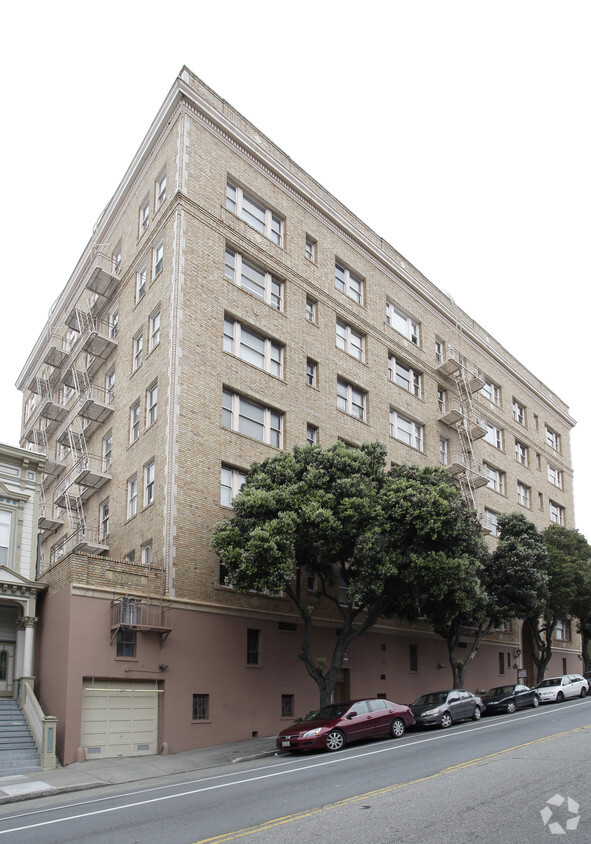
(6, 668)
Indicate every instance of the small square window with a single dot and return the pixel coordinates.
(310, 249)
(311, 373)
(311, 310)
(154, 338)
(138, 347)
(131, 497)
(151, 405)
(287, 708)
(312, 435)
(200, 707)
(158, 260)
(160, 191)
(126, 642)
(144, 216)
(149, 483)
(140, 283)
(147, 553)
(253, 646)
(134, 422)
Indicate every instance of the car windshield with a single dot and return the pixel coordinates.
(430, 699)
(332, 710)
(501, 690)
(551, 681)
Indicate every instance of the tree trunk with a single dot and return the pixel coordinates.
(541, 641)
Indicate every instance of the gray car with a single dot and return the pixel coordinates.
(444, 707)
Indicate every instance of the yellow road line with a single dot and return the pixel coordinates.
(308, 813)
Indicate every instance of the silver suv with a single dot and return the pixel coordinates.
(559, 688)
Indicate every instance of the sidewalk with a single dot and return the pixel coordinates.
(95, 773)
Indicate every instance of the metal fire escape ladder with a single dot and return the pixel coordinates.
(465, 478)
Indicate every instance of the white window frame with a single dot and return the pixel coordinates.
(348, 282)
(270, 286)
(350, 340)
(557, 513)
(563, 630)
(521, 453)
(523, 495)
(491, 392)
(494, 436)
(144, 215)
(518, 412)
(231, 482)
(269, 421)
(493, 521)
(107, 451)
(160, 191)
(141, 282)
(552, 439)
(134, 421)
(310, 252)
(138, 347)
(439, 350)
(496, 478)
(254, 213)
(6, 521)
(154, 337)
(147, 553)
(408, 379)
(443, 451)
(132, 497)
(311, 310)
(311, 373)
(404, 324)
(311, 435)
(114, 322)
(149, 482)
(158, 259)
(116, 259)
(555, 476)
(151, 404)
(351, 399)
(407, 430)
(238, 339)
(104, 520)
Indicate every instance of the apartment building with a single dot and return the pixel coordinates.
(225, 308)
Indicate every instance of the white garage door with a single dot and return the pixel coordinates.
(119, 718)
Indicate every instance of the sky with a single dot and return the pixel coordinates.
(459, 131)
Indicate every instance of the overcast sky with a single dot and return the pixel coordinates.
(459, 131)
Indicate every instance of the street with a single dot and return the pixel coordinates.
(488, 781)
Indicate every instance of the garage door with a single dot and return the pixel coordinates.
(119, 718)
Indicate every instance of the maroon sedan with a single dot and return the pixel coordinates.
(338, 724)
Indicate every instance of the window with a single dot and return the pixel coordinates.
(540, 500)
(158, 259)
(138, 345)
(154, 338)
(311, 373)
(350, 341)
(351, 399)
(252, 646)
(556, 513)
(147, 555)
(311, 309)
(255, 280)
(130, 557)
(126, 642)
(107, 451)
(555, 476)
(439, 350)
(253, 213)
(116, 260)
(493, 521)
(252, 419)
(348, 283)
(104, 520)
(131, 497)
(443, 451)
(518, 412)
(287, 709)
(311, 435)
(406, 430)
(523, 494)
(134, 422)
(521, 453)
(140, 282)
(144, 216)
(310, 249)
(441, 399)
(5, 526)
(494, 436)
(501, 662)
(405, 376)
(114, 322)
(231, 484)
(200, 707)
(563, 630)
(160, 193)
(413, 657)
(253, 348)
(496, 478)
(110, 384)
(402, 323)
(149, 478)
(491, 392)
(552, 439)
(151, 405)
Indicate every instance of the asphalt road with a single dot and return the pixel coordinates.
(475, 782)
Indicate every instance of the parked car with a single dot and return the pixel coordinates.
(509, 698)
(338, 724)
(559, 688)
(443, 708)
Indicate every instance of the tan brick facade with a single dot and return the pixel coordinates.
(199, 144)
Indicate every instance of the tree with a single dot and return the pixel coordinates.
(568, 556)
(319, 513)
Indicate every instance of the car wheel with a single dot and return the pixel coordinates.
(559, 697)
(397, 728)
(446, 720)
(583, 691)
(536, 701)
(335, 740)
(476, 714)
(511, 706)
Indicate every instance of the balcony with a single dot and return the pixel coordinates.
(87, 540)
(450, 363)
(57, 351)
(451, 412)
(100, 338)
(140, 614)
(51, 520)
(462, 464)
(102, 278)
(91, 471)
(96, 404)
